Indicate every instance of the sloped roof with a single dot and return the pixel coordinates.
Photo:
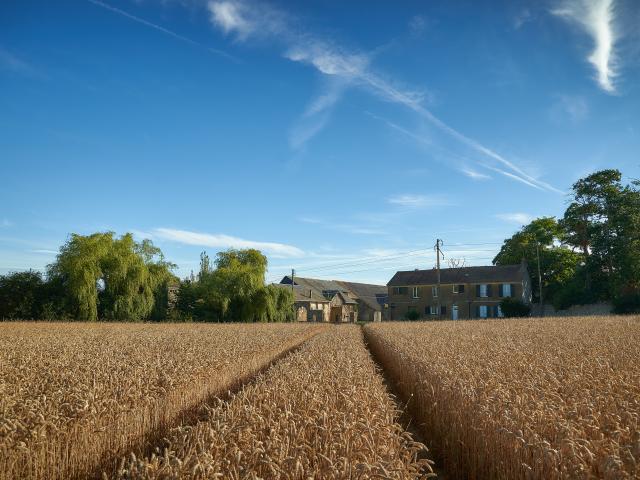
(346, 299)
(366, 293)
(351, 290)
(489, 274)
(302, 293)
(318, 286)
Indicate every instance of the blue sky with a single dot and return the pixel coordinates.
(342, 140)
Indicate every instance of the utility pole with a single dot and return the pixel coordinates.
(293, 273)
(438, 253)
(539, 279)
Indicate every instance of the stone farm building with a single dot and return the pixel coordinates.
(465, 293)
(336, 301)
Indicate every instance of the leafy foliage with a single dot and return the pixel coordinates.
(558, 263)
(111, 278)
(593, 252)
(412, 315)
(234, 291)
(21, 295)
(512, 307)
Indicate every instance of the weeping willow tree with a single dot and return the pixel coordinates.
(111, 278)
(234, 290)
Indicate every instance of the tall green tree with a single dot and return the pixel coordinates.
(21, 295)
(233, 289)
(544, 237)
(603, 222)
(111, 278)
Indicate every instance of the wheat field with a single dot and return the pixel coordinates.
(530, 399)
(506, 399)
(323, 412)
(75, 395)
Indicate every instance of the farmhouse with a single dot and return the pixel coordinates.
(337, 301)
(464, 293)
(371, 299)
(309, 305)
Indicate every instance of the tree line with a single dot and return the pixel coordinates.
(592, 253)
(104, 277)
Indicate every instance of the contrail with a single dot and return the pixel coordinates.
(163, 30)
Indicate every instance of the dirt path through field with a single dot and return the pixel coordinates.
(320, 412)
(155, 441)
(406, 419)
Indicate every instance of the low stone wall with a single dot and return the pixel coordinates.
(590, 309)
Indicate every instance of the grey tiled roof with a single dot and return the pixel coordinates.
(303, 294)
(489, 274)
(366, 293)
(350, 290)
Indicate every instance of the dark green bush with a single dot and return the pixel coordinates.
(514, 308)
(412, 315)
(627, 303)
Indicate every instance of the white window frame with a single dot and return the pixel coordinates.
(486, 311)
(484, 290)
(455, 288)
(506, 286)
(500, 314)
(433, 310)
(434, 291)
(415, 292)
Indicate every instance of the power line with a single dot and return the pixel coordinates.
(363, 261)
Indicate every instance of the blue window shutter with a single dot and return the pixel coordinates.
(513, 289)
(489, 294)
(500, 290)
(443, 310)
(478, 291)
(461, 288)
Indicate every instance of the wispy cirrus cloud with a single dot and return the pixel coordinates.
(411, 200)
(225, 241)
(11, 62)
(597, 19)
(474, 175)
(518, 218)
(246, 20)
(159, 28)
(569, 108)
(460, 162)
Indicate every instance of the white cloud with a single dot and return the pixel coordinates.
(417, 25)
(9, 61)
(333, 61)
(418, 201)
(6, 223)
(306, 129)
(226, 241)
(228, 17)
(597, 19)
(45, 251)
(571, 108)
(475, 175)
(160, 28)
(245, 19)
(518, 218)
(522, 17)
